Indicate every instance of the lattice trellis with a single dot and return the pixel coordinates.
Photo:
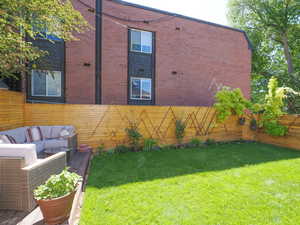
(153, 122)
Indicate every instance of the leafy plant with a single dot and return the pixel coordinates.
(253, 124)
(273, 109)
(195, 142)
(57, 185)
(210, 141)
(134, 136)
(230, 102)
(179, 130)
(100, 149)
(275, 129)
(149, 144)
(122, 149)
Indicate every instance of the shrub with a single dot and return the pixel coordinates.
(100, 149)
(122, 149)
(195, 143)
(230, 102)
(210, 141)
(57, 186)
(274, 128)
(179, 130)
(272, 109)
(149, 144)
(134, 137)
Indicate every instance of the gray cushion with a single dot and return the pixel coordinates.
(46, 131)
(18, 134)
(56, 143)
(40, 146)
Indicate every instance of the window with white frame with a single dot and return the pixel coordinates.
(46, 83)
(141, 41)
(140, 88)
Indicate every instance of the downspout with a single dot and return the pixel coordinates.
(98, 55)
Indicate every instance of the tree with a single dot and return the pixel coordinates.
(22, 21)
(276, 21)
(273, 26)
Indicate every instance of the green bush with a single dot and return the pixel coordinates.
(122, 149)
(195, 142)
(210, 141)
(57, 186)
(149, 144)
(230, 102)
(179, 130)
(134, 137)
(274, 128)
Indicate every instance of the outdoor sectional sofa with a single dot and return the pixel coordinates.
(21, 171)
(51, 137)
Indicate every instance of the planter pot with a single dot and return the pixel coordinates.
(253, 125)
(242, 120)
(56, 211)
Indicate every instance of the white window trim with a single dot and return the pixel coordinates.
(47, 95)
(132, 50)
(141, 91)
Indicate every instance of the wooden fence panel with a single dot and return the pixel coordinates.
(11, 110)
(103, 124)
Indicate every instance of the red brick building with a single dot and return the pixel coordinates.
(143, 56)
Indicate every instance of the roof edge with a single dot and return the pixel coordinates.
(184, 17)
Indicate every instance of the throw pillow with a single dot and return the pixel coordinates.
(34, 134)
(64, 133)
(6, 139)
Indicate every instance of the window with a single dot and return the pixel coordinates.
(140, 89)
(46, 83)
(141, 41)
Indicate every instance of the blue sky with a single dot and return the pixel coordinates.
(209, 10)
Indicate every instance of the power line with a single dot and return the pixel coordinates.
(160, 19)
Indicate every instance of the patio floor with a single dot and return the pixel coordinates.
(79, 164)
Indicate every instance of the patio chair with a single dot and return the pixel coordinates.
(21, 172)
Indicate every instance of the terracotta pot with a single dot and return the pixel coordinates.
(56, 211)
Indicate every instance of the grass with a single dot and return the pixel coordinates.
(240, 184)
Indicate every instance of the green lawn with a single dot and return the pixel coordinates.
(243, 184)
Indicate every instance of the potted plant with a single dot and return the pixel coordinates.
(253, 124)
(242, 120)
(55, 197)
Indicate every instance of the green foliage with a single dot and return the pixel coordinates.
(230, 102)
(31, 19)
(100, 149)
(210, 141)
(149, 144)
(253, 124)
(273, 106)
(274, 128)
(179, 130)
(273, 27)
(122, 149)
(195, 142)
(57, 186)
(134, 136)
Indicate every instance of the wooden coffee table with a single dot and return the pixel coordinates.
(52, 151)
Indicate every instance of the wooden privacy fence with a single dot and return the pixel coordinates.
(103, 124)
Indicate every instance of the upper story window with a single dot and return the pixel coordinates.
(141, 41)
(46, 83)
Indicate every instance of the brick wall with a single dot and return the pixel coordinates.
(203, 56)
(80, 79)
